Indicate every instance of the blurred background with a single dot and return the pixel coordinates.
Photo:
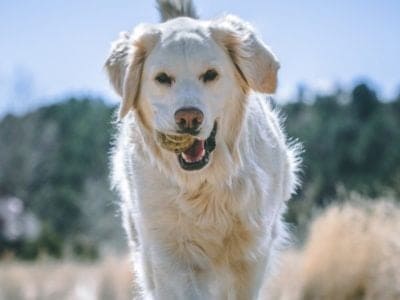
(339, 90)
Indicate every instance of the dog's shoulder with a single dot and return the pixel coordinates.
(263, 130)
(126, 147)
(267, 145)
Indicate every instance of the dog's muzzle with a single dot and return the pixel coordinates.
(193, 153)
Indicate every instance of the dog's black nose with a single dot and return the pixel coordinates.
(189, 119)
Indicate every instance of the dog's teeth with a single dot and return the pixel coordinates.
(185, 157)
(191, 160)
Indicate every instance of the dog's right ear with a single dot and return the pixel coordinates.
(254, 61)
(125, 63)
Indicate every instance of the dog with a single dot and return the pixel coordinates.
(202, 222)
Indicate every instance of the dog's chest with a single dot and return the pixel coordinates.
(205, 227)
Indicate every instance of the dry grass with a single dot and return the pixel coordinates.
(353, 252)
(45, 280)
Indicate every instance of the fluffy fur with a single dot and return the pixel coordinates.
(170, 9)
(210, 233)
(353, 253)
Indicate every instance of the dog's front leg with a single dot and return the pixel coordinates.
(178, 282)
(246, 278)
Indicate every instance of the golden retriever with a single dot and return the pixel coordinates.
(203, 222)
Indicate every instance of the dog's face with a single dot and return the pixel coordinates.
(191, 77)
(187, 80)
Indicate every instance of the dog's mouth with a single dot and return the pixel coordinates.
(197, 155)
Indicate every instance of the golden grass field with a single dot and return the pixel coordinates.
(66, 280)
(352, 252)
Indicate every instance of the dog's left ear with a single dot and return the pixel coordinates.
(254, 61)
(125, 64)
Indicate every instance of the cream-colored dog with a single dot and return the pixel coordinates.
(201, 162)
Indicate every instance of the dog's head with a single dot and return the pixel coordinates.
(187, 76)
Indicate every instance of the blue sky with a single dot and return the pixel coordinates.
(50, 49)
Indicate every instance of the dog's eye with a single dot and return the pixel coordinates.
(208, 76)
(164, 79)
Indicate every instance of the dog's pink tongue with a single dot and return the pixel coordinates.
(196, 151)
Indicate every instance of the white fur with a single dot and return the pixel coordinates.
(206, 234)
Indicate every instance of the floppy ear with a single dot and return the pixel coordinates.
(125, 64)
(255, 62)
